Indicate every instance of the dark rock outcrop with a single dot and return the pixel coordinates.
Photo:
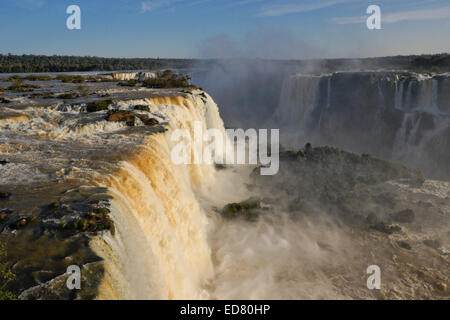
(142, 108)
(98, 105)
(129, 117)
(123, 116)
(4, 195)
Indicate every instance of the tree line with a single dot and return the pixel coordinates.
(10, 63)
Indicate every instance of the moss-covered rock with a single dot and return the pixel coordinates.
(92, 222)
(142, 108)
(248, 209)
(98, 105)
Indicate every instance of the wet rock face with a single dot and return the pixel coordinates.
(123, 116)
(147, 120)
(56, 288)
(46, 243)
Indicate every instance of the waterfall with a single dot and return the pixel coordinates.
(328, 103)
(408, 99)
(160, 248)
(297, 103)
(399, 84)
(381, 113)
(297, 100)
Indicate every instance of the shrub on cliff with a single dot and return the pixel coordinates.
(247, 209)
(167, 79)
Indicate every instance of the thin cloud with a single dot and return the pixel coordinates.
(417, 15)
(283, 9)
(150, 5)
(245, 2)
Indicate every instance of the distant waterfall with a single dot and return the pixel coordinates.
(382, 113)
(297, 101)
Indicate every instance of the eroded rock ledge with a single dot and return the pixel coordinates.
(54, 154)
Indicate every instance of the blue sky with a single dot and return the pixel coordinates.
(285, 29)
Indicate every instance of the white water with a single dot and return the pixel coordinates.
(170, 243)
(160, 250)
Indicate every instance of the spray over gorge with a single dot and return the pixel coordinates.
(89, 179)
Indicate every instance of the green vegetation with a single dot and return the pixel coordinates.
(10, 63)
(247, 209)
(70, 78)
(98, 105)
(335, 180)
(129, 83)
(31, 77)
(6, 275)
(43, 95)
(19, 86)
(94, 221)
(168, 79)
(68, 95)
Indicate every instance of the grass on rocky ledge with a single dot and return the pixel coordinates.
(6, 275)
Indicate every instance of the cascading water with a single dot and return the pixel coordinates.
(160, 250)
(382, 113)
(297, 102)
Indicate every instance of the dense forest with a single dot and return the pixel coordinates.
(437, 63)
(37, 63)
